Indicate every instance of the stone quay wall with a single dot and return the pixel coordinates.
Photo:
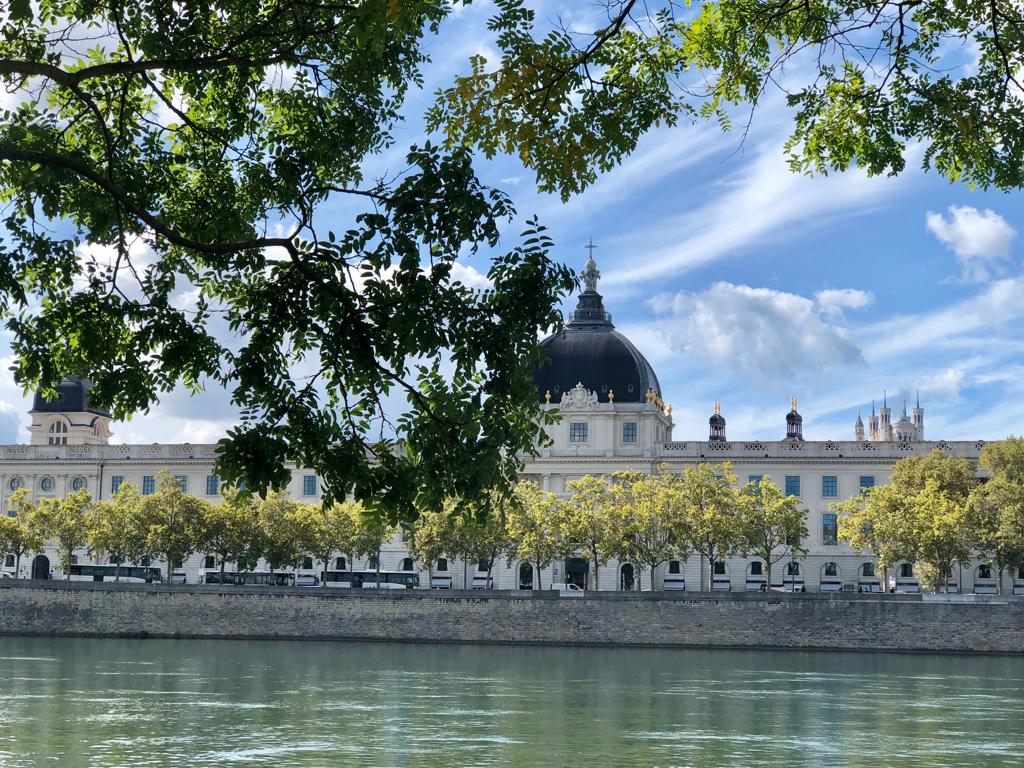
(684, 619)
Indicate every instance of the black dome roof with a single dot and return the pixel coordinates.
(717, 420)
(72, 395)
(589, 351)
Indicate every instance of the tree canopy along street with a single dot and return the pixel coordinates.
(162, 163)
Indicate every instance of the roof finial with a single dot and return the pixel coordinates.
(872, 406)
(885, 399)
(718, 409)
(792, 403)
(918, 399)
(590, 272)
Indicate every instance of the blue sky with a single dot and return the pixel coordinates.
(746, 284)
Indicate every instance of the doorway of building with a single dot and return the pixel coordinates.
(626, 577)
(525, 576)
(41, 567)
(576, 571)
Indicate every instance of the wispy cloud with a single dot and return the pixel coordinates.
(980, 239)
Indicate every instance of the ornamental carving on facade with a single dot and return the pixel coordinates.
(579, 397)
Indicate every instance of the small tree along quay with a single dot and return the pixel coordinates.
(773, 525)
(21, 533)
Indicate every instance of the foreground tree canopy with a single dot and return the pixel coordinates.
(162, 164)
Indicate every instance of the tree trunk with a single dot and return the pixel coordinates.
(597, 574)
(323, 576)
(1000, 579)
(540, 584)
(170, 570)
(768, 573)
(223, 559)
(711, 569)
(17, 565)
(117, 571)
(652, 577)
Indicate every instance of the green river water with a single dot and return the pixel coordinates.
(69, 702)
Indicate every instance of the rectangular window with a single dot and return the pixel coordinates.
(212, 485)
(792, 485)
(755, 480)
(829, 528)
(867, 481)
(578, 432)
(309, 485)
(830, 486)
(115, 482)
(868, 570)
(182, 482)
(719, 568)
(756, 568)
(629, 432)
(148, 485)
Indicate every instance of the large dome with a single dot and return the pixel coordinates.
(589, 351)
(72, 395)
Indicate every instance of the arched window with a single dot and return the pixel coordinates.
(307, 563)
(673, 566)
(627, 578)
(78, 484)
(442, 564)
(9, 561)
(46, 484)
(756, 568)
(792, 568)
(209, 562)
(907, 571)
(719, 569)
(868, 570)
(407, 564)
(59, 433)
(525, 576)
(373, 563)
(15, 484)
(830, 569)
(340, 564)
(984, 571)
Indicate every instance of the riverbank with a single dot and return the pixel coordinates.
(807, 621)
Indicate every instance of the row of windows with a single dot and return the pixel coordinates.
(829, 484)
(309, 484)
(47, 484)
(578, 432)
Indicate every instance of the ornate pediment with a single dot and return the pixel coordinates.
(579, 397)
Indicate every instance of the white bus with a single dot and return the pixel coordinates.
(368, 579)
(130, 573)
(249, 578)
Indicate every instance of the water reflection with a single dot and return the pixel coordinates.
(140, 703)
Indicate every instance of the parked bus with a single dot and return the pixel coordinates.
(249, 578)
(368, 579)
(131, 573)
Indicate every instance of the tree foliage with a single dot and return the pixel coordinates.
(161, 171)
(865, 82)
(709, 505)
(66, 521)
(172, 521)
(773, 524)
(115, 528)
(20, 532)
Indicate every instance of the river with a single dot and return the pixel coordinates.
(72, 702)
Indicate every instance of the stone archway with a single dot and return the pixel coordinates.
(40, 567)
(627, 577)
(525, 576)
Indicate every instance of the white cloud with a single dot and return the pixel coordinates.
(944, 384)
(765, 200)
(980, 239)
(756, 329)
(833, 301)
(470, 276)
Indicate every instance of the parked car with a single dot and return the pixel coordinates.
(5, 575)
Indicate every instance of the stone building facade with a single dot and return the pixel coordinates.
(613, 418)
